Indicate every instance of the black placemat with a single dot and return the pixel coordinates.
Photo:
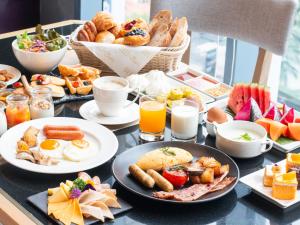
(40, 201)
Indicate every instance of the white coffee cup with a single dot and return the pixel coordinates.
(111, 94)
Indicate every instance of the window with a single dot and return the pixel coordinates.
(289, 85)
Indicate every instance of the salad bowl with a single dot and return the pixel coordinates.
(40, 52)
(38, 62)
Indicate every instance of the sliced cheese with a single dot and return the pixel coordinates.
(58, 196)
(77, 216)
(58, 206)
(65, 215)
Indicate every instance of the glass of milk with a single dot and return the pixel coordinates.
(184, 120)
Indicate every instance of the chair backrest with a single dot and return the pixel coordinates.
(265, 23)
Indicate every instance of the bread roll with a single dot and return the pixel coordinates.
(103, 21)
(83, 35)
(105, 37)
(91, 30)
(162, 37)
(164, 157)
(115, 30)
(181, 32)
(119, 41)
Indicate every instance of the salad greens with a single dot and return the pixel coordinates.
(42, 41)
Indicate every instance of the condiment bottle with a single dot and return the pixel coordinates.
(3, 123)
(41, 104)
(17, 110)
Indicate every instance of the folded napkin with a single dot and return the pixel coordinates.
(123, 60)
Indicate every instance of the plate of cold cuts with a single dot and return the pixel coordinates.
(176, 172)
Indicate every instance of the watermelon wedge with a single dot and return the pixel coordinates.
(247, 92)
(261, 96)
(267, 99)
(254, 92)
(236, 98)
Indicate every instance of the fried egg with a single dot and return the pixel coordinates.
(78, 150)
(52, 148)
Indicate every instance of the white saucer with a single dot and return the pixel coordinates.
(90, 111)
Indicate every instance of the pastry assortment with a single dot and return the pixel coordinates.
(53, 144)
(162, 31)
(84, 197)
(284, 179)
(173, 171)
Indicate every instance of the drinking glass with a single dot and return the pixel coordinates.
(17, 110)
(152, 118)
(184, 120)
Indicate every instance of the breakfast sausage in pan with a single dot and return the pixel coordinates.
(160, 181)
(141, 176)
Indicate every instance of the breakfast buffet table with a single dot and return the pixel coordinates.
(240, 206)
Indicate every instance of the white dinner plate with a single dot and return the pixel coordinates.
(90, 111)
(12, 70)
(255, 181)
(100, 138)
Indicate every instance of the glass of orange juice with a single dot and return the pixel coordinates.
(152, 118)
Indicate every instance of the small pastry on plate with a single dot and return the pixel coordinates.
(105, 37)
(46, 79)
(285, 186)
(270, 172)
(292, 160)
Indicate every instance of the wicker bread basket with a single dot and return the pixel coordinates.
(167, 59)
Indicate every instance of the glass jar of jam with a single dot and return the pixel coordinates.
(41, 104)
(17, 109)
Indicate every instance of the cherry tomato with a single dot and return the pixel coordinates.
(75, 84)
(176, 177)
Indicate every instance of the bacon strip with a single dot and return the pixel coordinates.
(195, 191)
(224, 183)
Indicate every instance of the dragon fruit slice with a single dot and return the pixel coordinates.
(255, 111)
(273, 113)
(245, 111)
(288, 115)
(249, 112)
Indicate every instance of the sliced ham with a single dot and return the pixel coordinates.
(91, 196)
(92, 211)
(191, 193)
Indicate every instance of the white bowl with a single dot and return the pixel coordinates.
(211, 127)
(38, 62)
(228, 141)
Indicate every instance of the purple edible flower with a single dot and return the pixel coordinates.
(88, 186)
(75, 193)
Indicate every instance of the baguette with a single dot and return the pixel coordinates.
(162, 37)
(181, 32)
(162, 17)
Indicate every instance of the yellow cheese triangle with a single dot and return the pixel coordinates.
(58, 196)
(65, 215)
(77, 216)
(57, 206)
